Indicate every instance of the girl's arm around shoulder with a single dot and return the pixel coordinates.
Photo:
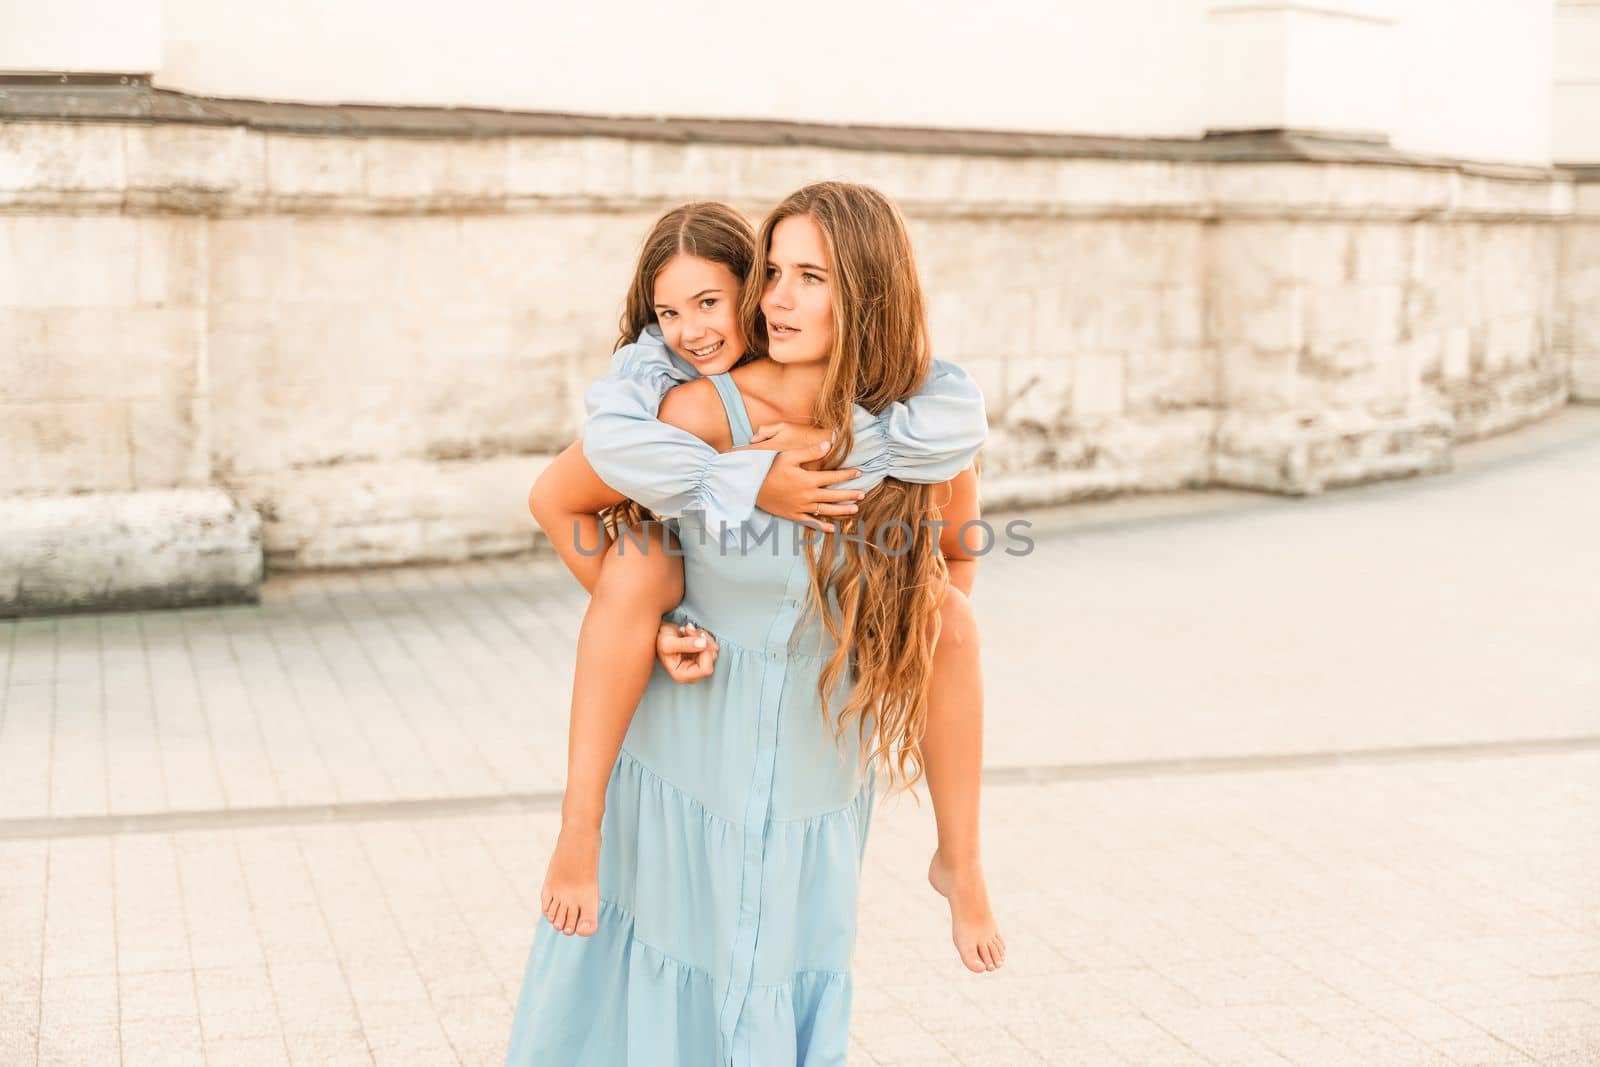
(639, 377)
(676, 461)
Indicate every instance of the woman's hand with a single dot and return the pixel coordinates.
(687, 652)
(792, 490)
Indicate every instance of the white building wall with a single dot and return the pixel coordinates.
(1486, 80)
(1327, 67)
(1475, 79)
(1577, 82)
(1128, 67)
(99, 36)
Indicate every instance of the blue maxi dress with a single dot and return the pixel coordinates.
(733, 833)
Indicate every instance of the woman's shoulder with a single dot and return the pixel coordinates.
(752, 375)
(696, 407)
(759, 390)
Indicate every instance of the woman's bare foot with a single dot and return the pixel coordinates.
(972, 926)
(570, 896)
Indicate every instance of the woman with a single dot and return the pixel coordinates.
(741, 804)
(684, 298)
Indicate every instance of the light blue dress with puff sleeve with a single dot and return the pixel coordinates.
(730, 847)
(929, 438)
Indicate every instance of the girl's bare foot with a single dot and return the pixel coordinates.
(972, 926)
(570, 896)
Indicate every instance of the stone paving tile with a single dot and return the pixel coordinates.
(1431, 912)
(423, 682)
(25, 757)
(175, 1042)
(1422, 911)
(188, 763)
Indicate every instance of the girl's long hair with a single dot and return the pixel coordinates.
(708, 230)
(877, 591)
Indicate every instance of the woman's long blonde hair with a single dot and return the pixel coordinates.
(885, 584)
(708, 230)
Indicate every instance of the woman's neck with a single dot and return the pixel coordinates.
(791, 389)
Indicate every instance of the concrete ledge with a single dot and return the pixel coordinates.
(1504, 403)
(131, 98)
(1027, 465)
(1304, 454)
(1586, 378)
(400, 511)
(127, 551)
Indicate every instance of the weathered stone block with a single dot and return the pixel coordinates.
(1322, 253)
(83, 353)
(1586, 377)
(569, 167)
(205, 162)
(1382, 253)
(60, 158)
(1403, 368)
(1491, 404)
(1039, 390)
(360, 514)
(69, 261)
(1154, 454)
(1254, 380)
(458, 171)
(1003, 322)
(1336, 316)
(64, 447)
(171, 268)
(107, 551)
(167, 441)
(1183, 316)
(990, 373)
(304, 166)
(1098, 385)
(1457, 362)
(24, 342)
(1299, 453)
(1169, 378)
(1131, 317)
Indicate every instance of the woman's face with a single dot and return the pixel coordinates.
(798, 301)
(696, 305)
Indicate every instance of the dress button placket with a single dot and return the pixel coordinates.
(758, 809)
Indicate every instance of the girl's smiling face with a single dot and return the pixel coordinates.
(798, 300)
(696, 303)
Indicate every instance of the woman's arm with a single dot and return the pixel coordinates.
(960, 508)
(566, 501)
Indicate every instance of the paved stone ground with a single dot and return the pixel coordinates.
(1310, 782)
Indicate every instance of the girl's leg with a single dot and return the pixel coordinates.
(616, 651)
(952, 754)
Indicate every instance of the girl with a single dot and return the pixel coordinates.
(683, 299)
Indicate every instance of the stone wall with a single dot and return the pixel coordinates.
(375, 341)
(1578, 327)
